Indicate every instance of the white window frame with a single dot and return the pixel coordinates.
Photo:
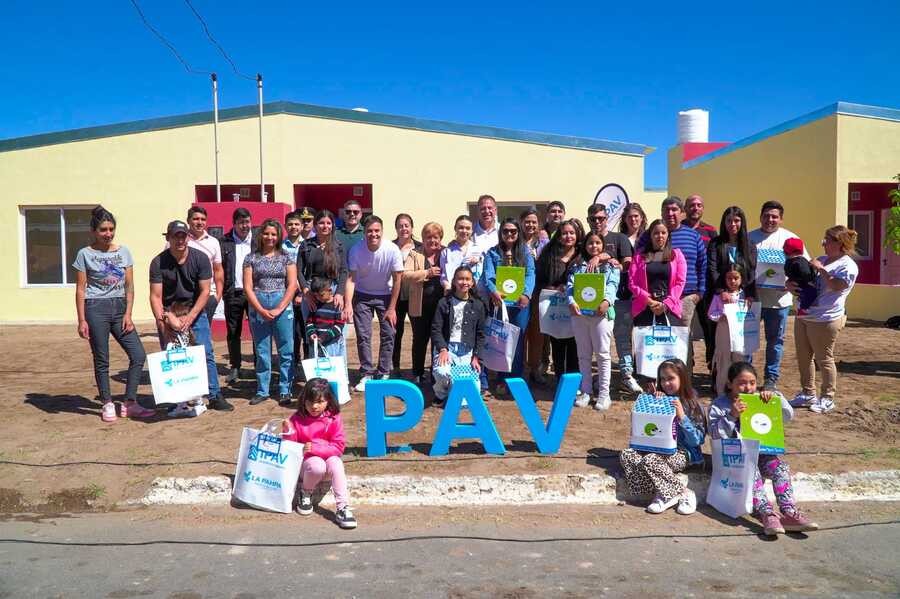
(23, 245)
(870, 230)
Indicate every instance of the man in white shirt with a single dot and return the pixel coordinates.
(373, 288)
(236, 245)
(485, 235)
(200, 239)
(776, 303)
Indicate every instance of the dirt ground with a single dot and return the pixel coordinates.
(56, 454)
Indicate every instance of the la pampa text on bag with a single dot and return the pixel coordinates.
(178, 374)
(501, 339)
(655, 344)
(267, 469)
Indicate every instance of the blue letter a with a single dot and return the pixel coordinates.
(550, 438)
(482, 426)
(379, 424)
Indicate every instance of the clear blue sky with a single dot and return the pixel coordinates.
(563, 67)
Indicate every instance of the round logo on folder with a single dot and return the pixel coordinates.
(761, 424)
(588, 294)
(508, 286)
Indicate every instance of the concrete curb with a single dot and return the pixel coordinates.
(524, 489)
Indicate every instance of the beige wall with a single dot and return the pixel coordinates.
(147, 179)
(651, 201)
(868, 152)
(797, 168)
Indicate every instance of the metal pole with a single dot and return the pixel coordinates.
(262, 181)
(215, 89)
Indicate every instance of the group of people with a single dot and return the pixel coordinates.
(300, 283)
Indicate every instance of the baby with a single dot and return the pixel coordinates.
(798, 270)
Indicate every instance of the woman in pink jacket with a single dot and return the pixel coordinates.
(318, 426)
(656, 278)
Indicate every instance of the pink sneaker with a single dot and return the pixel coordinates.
(771, 525)
(797, 522)
(109, 412)
(132, 409)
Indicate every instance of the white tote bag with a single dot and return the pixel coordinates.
(734, 469)
(267, 469)
(655, 344)
(743, 326)
(553, 311)
(501, 339)
(178, 374)
(331, 368)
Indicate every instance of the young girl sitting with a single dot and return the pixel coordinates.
(656, 473)
(457, 332)
(733, 294)
(318, 426)
(725, 423)
(593, 333)
(181, 339)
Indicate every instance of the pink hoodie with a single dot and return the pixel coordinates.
(637, 282)
(325, 433)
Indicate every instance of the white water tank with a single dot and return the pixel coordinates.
(693, 126)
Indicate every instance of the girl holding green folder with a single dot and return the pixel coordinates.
(593, 328)
(511, 251)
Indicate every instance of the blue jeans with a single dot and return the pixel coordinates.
(203, 336)
(775, 324)
(519, 317)
(622, 328)
(282, 328)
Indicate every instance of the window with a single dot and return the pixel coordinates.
(53, 237)
(861, 222)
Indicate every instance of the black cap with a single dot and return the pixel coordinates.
(176, 226)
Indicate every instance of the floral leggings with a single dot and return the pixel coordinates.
(654, 473)
(773, 467)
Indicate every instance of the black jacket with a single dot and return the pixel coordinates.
(472, 326)
(311, 263)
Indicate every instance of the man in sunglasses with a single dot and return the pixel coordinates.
(351, 231)
(617, 249)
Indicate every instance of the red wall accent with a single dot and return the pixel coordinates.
(872, 197)
(691, 150)
(332, 196)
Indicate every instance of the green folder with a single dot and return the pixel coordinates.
(510, 283)
(763, 422)
(588, 292)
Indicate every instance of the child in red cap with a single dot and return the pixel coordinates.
(798, 270)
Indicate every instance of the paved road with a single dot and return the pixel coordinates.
(194, 553)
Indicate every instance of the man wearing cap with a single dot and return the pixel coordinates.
(183, 274)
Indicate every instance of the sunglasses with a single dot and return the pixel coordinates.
(510, 232)
(598, 219)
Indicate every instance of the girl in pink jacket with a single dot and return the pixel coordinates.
(317, 425)
(656, 278)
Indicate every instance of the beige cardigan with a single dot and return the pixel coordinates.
(414, 275)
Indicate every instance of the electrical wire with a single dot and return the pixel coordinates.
(413, 538)
(216, 43)
(191, 70)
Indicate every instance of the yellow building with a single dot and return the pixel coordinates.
(149, 172)
(831, 166)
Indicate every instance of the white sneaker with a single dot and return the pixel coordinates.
(361, 385)
(687, 503)
(803, 400)
(233, 375)
(631, 385)
(602, 403)
(582, 399)
(658, 506)
(186, 410)
(823, 405)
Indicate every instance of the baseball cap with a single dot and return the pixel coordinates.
(176, 226)
(793, 246)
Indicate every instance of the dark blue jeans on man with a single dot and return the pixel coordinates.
(775, 325)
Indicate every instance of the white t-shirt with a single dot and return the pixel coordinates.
(773, 298)
(242, 248)
(458, 310)
(486, 238)
(372, 271)
(829, 305)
